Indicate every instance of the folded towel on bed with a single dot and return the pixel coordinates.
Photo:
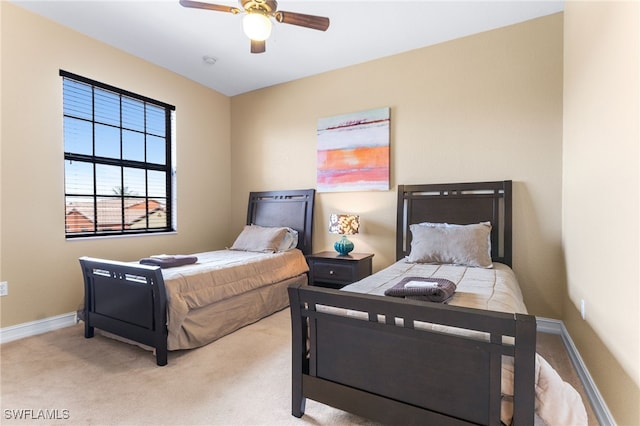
(421, 288)
(168, 261)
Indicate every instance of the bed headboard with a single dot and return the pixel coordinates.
(459, 203)
(292, 208)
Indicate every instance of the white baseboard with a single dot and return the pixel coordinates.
(27, 329)
(601, 411)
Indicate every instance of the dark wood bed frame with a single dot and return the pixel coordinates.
(130, 300)
(403, 375)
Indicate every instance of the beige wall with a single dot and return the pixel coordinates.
(485, 107)
(41, 267)
(601, 189)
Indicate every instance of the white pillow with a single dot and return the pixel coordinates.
(468, 245)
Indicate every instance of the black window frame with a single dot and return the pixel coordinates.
(123, 163)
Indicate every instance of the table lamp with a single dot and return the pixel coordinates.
(343, 224)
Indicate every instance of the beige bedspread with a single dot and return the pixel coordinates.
(218, 276)
(496, 289)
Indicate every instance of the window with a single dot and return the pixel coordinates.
(117, 160)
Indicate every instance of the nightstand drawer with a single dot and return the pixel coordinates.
(328, 269)
(325, 271)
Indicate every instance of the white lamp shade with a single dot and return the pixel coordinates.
(256, 26)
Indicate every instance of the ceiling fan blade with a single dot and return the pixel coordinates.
(209, 6)
(300, 19)
(258, 46)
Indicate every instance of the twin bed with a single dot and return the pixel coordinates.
(396, 360)
(191, 305)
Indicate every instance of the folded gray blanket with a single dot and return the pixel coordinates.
(421, 288)
(169, 261)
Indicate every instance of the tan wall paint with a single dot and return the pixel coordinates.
(1, 127)
(601, 215)
(485, 107)
(41, 267)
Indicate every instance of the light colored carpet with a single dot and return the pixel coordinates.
(242, 379)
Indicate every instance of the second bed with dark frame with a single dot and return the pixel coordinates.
(404, 375)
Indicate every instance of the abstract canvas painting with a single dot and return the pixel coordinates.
(353, 152)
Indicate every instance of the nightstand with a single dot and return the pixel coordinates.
(329, 269)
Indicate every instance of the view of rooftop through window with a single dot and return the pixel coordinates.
(117, 149)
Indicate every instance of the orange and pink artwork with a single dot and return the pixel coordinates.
(353, 152)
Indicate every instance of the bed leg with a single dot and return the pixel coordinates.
(298, 352)
(161, 351)
(298, 405)
(88, 330)
(161, 357)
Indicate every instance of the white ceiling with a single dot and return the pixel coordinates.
(177, 38)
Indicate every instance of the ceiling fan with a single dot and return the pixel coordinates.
(256, 22)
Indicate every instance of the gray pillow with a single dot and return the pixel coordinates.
(468, 245)
(259, 239)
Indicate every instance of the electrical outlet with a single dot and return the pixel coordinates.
(583, 311)
(4, 288)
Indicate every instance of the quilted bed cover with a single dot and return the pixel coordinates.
(495, 289)
(219, 276)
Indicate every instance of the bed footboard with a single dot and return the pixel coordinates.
(128, 300)
(387, 369)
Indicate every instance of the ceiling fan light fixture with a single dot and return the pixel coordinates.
(257, 26)
(256, 21)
